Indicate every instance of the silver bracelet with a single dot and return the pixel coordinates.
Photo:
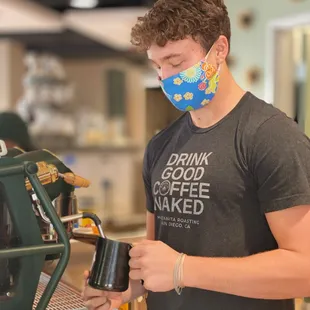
(178, 274)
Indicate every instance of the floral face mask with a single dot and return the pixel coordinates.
(193, 88)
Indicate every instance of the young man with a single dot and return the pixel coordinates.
(228, 184)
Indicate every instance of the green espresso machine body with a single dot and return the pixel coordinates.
(29, 184)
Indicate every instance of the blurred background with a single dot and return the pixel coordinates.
(68, 70)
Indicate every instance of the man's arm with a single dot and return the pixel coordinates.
(280, 274)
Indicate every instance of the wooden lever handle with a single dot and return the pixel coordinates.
(75, 180)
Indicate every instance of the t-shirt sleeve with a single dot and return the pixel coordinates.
(147, 164)
(280, 163)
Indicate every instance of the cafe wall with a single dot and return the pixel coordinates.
(249, 28)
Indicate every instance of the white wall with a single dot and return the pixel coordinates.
(249, 46)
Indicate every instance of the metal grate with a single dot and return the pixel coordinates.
(64, 298)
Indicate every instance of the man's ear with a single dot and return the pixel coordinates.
(222, 49)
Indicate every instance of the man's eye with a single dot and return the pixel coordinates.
(176, 65)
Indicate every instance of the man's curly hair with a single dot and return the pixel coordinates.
(173, 20)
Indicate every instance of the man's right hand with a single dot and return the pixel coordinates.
(100, 300)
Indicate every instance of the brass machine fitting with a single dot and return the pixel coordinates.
(48, 173)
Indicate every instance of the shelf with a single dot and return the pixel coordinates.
(96, 149)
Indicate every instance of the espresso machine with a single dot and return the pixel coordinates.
(38, 210)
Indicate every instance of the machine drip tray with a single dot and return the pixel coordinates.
(64, 298)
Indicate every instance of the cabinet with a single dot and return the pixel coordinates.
(159, 112)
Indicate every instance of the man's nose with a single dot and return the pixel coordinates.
(164, 74)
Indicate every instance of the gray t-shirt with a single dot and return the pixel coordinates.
(210, 189)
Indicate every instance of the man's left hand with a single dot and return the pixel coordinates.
(153, 262)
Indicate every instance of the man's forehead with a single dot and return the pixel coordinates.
(170, 50)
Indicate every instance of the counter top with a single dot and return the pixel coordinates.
(80, 260)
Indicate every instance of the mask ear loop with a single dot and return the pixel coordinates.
(206, 58)
(219, 68)
(211, 48)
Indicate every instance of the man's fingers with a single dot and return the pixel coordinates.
(90, 293)
(137, 251)
(141, 248)
(135, 274)
(113, 295)
(135, 263)
(95, 303)
(86, 276)
(106, 306)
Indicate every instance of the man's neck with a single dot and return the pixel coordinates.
(227, 97)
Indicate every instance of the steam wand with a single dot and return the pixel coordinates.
(74, 217)
(85, 215)
(96, 220)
